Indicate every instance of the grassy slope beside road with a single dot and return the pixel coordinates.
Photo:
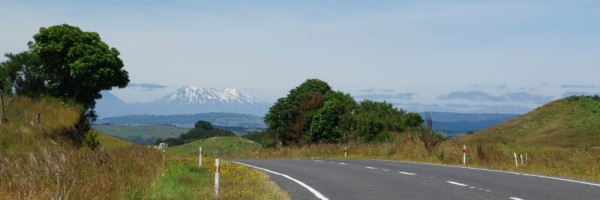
(561, 138)
(39, 162)
(184, 179)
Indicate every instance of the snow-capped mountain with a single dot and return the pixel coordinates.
(185, 100)
(189, 95)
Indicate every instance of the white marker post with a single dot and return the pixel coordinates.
(526, 158)
(516, 160)
(217, 171)
(522, 162)
(464, 150)
(200, 157)
(345, 151)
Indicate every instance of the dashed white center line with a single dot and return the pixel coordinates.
(318, 161)
(371, 167)
(342, 163)
(456, 183)
(408, 173)
(515, 198)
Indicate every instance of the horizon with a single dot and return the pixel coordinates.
(463, 56)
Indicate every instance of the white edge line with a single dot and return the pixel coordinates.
(315, 192)
(456, 183)
(371, 167)
(408, 173)
(492, 170)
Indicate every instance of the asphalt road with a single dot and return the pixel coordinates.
(379, 179)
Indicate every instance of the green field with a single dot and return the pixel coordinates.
(215, 147)
(141, 134)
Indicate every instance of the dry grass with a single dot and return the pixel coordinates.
(38, 162)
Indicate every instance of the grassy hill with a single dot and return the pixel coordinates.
(573, 122)
(561, 138)
(42, 161)
(215, 147)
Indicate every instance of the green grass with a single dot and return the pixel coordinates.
(215, 147)
(142, 131)
(184, 180)
(573, 122)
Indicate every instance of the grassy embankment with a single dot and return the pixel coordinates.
(40, 162)
(561, 138)
(185, 180)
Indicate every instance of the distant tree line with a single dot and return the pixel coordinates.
(314, 113)
(201, 130)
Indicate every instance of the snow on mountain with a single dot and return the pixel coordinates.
(185, 100)
(197, 95)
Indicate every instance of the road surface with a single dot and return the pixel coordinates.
(380, 179)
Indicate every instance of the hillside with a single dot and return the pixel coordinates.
(570, 122)
(215, 147)
(42, 161)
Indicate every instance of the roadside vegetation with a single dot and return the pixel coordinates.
(184, 179)
(42, 162)
(561, 139)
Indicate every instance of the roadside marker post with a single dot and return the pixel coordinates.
(464, 150)
(200, 157)
(217, 171)
(516, 160)
(345, 151)
(522, 162)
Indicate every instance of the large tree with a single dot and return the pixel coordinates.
(290, 117)
(376, 121)
(330, 122)
(77, 65)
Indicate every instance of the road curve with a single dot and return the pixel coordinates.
(381, 179)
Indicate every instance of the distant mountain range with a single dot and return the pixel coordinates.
(185, 100)
(229, 107)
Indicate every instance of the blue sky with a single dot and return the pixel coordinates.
(460, 56)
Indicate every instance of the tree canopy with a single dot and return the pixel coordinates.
(77, 65)
(201, 130)
(314, 113)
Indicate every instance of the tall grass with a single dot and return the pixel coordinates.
(39, 162)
